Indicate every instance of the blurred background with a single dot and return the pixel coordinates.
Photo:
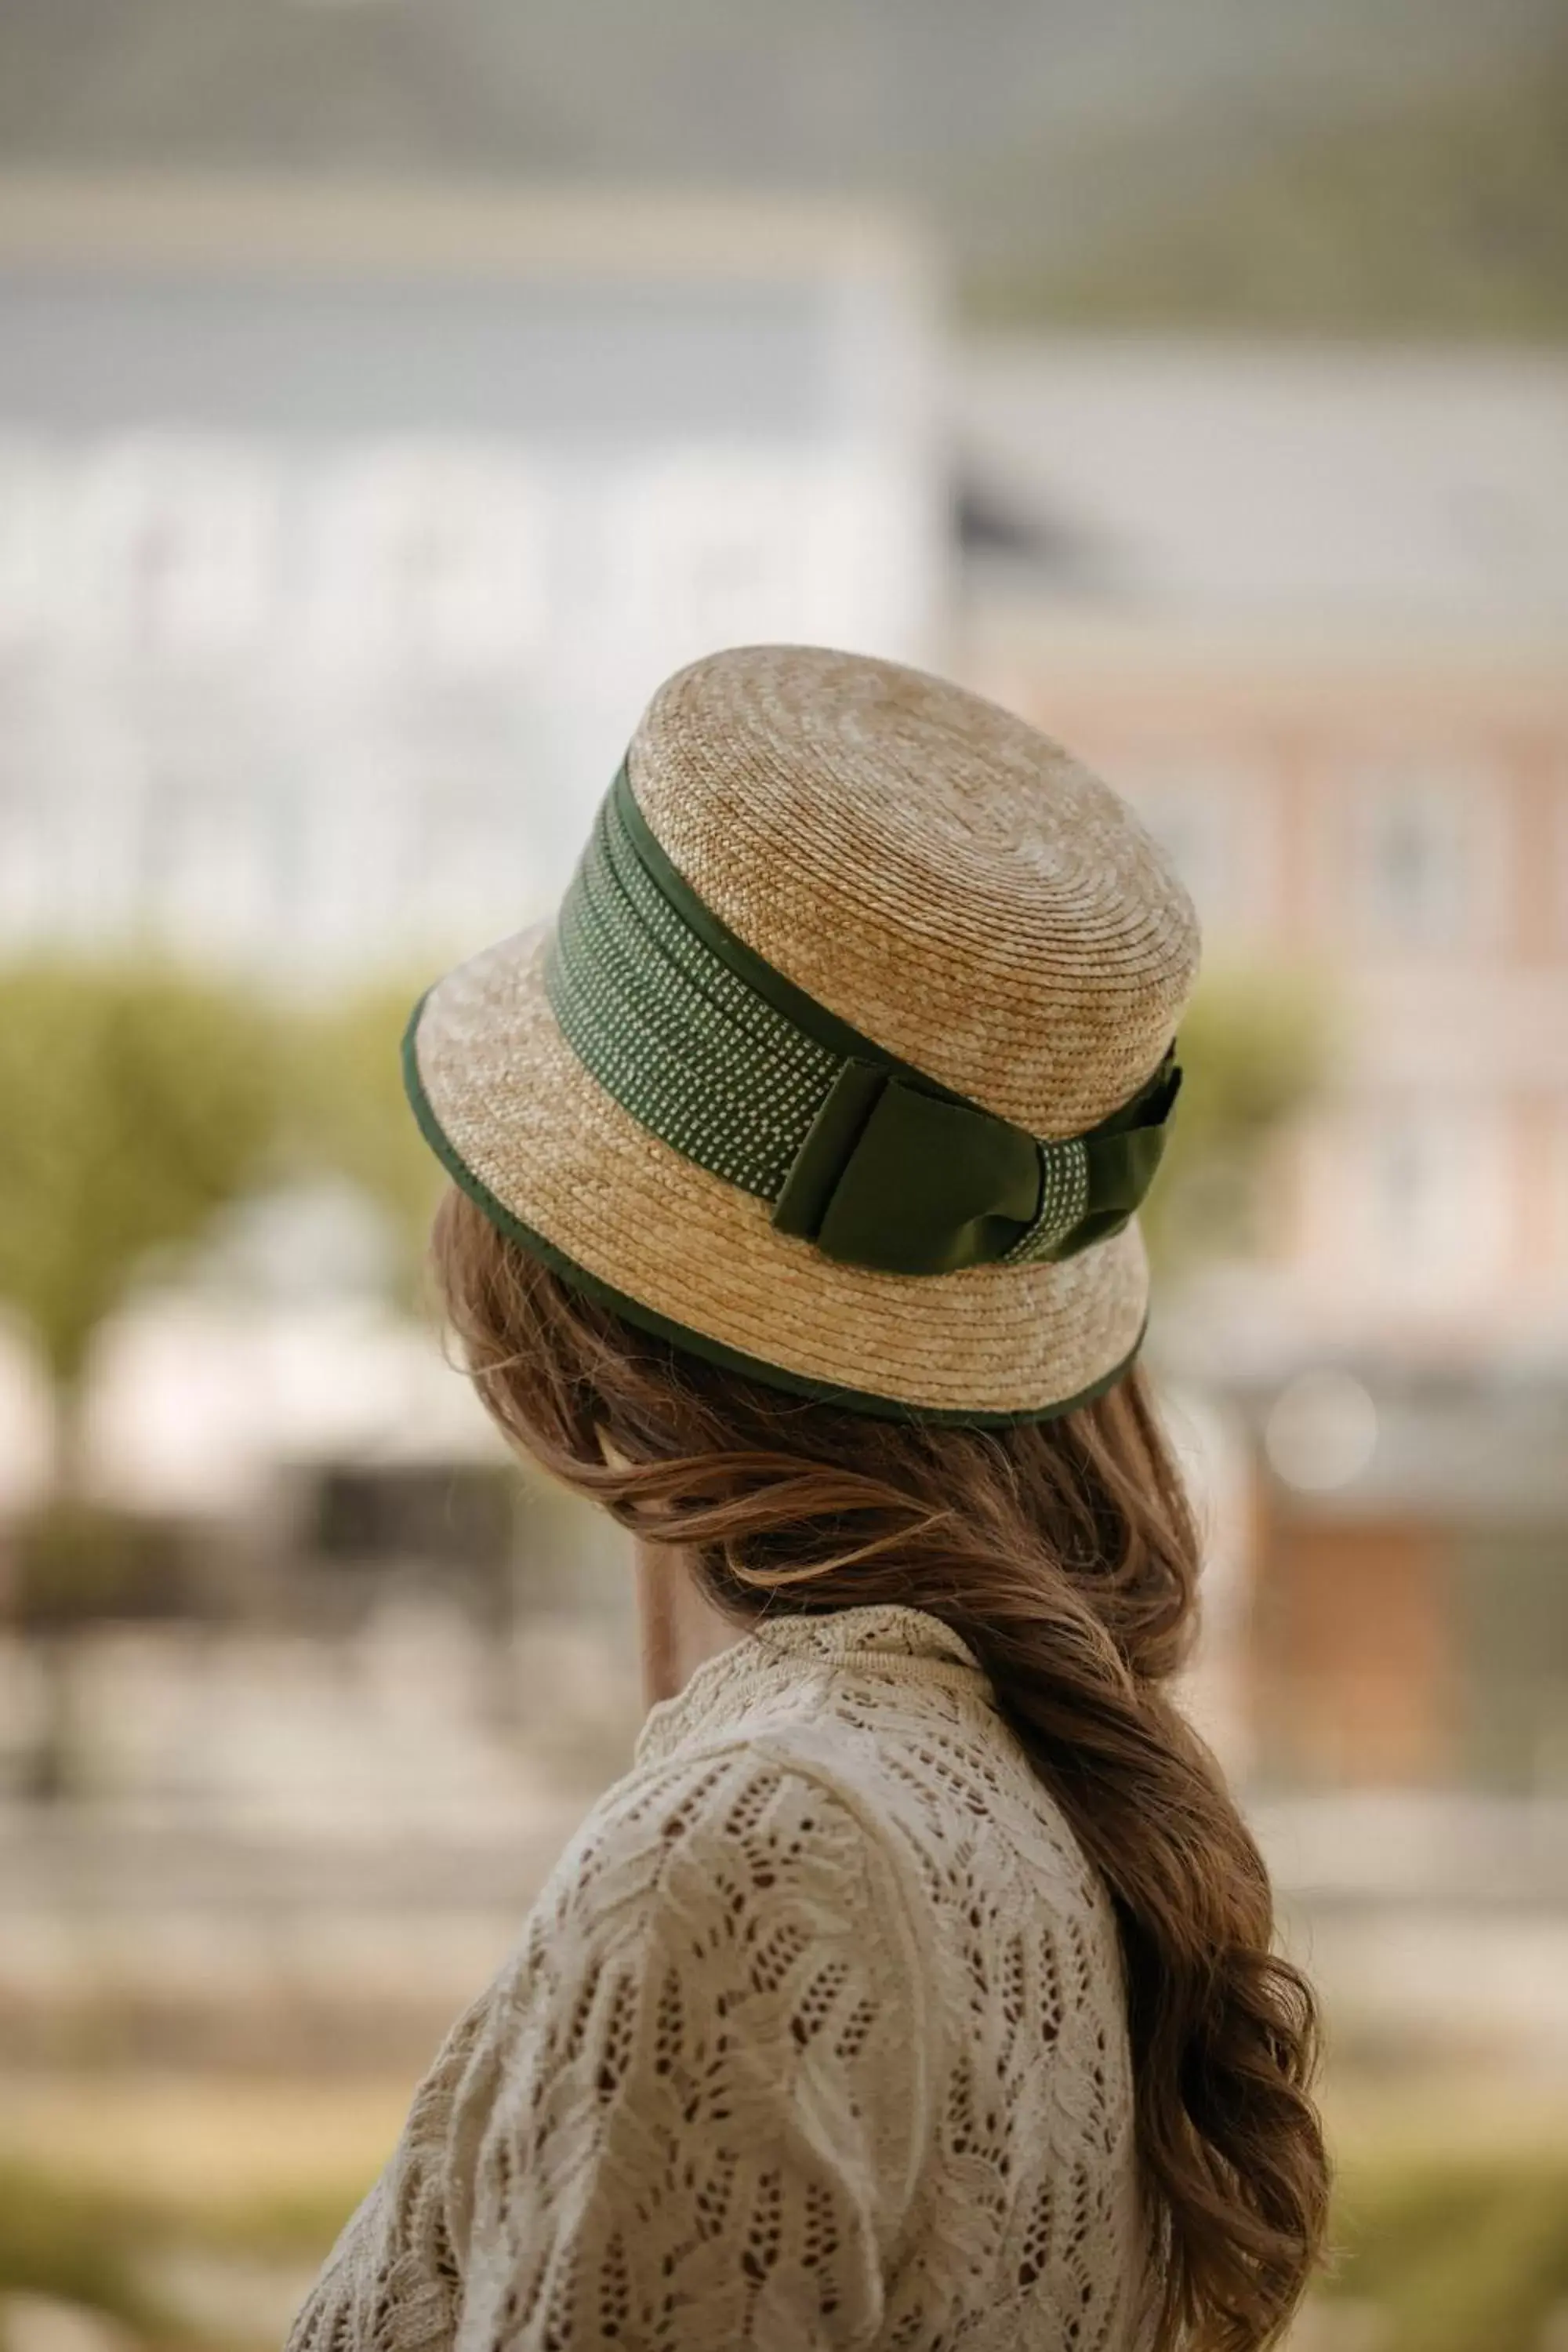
(391, 393)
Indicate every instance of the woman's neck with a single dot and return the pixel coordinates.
(680, 1625)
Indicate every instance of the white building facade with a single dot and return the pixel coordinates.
(343, 535)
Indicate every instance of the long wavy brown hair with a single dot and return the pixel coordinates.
(1064, 1553)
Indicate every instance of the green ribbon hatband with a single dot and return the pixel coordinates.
(705, 1044)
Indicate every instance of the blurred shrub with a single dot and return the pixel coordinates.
(120, 2254)
(345, 1112)
(1254, 1048)
(1456, 2256)
(74, 2245)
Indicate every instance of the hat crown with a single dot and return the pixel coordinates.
(928, 868)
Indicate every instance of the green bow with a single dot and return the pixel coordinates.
(906, 1180)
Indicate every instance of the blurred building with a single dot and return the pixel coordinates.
(1310, 610)
(343, 531)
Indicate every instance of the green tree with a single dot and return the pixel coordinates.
(138, 1101)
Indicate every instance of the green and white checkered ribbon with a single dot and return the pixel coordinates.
(710, 1049)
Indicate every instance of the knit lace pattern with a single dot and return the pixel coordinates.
(813, 2038)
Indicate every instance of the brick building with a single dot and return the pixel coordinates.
(1311, 611)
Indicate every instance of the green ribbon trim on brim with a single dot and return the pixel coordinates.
(698, 1343)
(707, 1047)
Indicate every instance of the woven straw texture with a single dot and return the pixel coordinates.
(939, 875)
(931, 868)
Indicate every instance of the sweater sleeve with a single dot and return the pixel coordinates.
(697, 2120)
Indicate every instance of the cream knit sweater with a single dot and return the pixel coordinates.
(814, 2038)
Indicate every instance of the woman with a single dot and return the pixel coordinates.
(916, 1986)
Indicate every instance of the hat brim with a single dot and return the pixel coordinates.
(551, 1157)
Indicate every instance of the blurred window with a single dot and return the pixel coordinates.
(470, 868)
(1438, 1203)
(435, 556)
(415, 837)
(1426, 860)
(27, 487)
(725, 548)
(29, 849)
(206, 882)
(174, 548)
(1216, 826)
(478, 873)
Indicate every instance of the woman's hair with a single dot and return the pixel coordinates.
(1064, 1554)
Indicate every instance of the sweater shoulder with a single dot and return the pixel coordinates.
(929, 1768)
(759, 1819)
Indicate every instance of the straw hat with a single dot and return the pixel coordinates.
(848, 1055)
